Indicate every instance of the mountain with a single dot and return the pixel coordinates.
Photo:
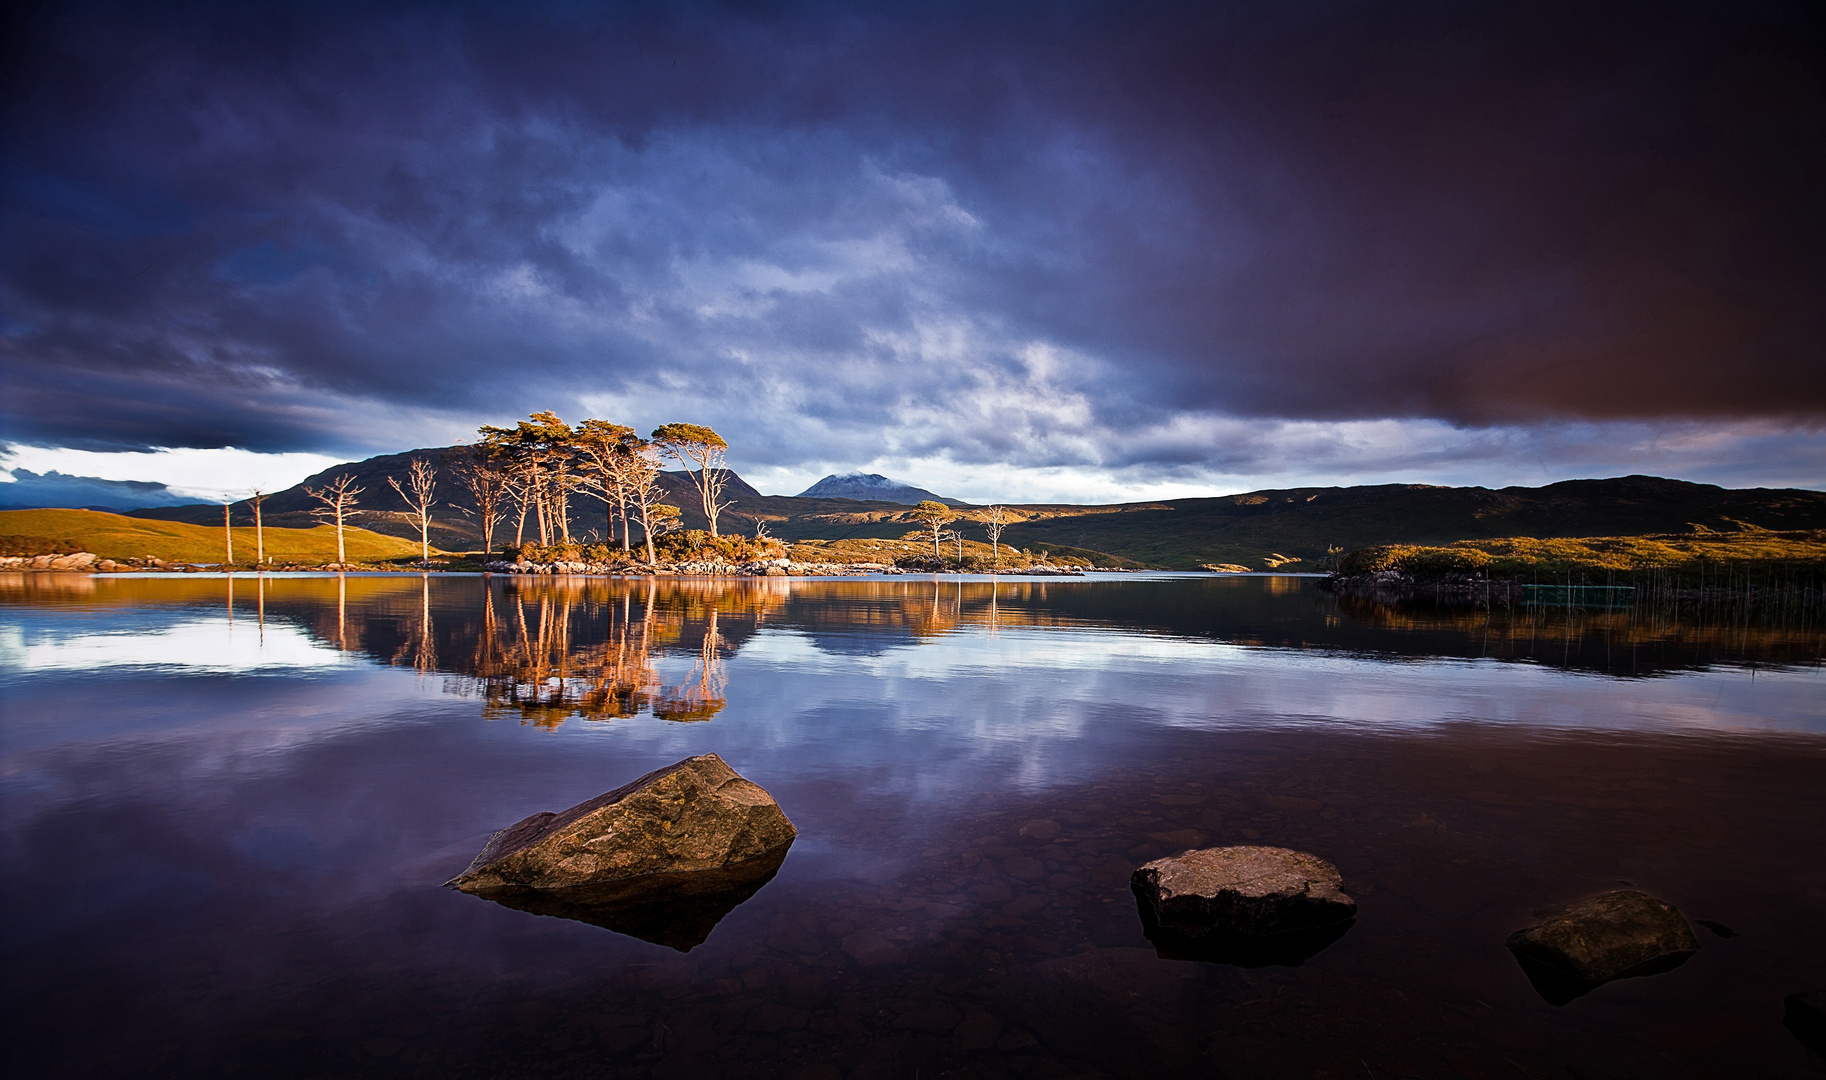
(1305, 522)
(30, 491)
(1292, 527)
(871, 487)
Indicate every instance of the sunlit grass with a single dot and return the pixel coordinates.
(112, 536)
(1586, 557)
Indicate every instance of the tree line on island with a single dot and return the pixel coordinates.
(529, 474)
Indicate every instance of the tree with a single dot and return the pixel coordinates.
(554, 444)
(606, 461)
(657, 520)
(934, 516)
(419, 491)
(995, 520)
(694, 443)
(482, 470)
(338, 499)
(228, 539)
(541, 450)
(259, 530)
(640, 474)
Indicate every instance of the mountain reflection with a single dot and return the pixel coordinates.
(543, 650)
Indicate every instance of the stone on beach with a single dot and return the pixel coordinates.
(1589, 942)
(662, 858)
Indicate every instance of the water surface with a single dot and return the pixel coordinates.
(226, 820)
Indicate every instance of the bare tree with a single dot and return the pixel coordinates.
(259, 530)
(419, 491)
(640, 478)
(994, 521)
(338, 499)
(228, 539)
(690, 444)
(483, 473)
(523, 489)
(934, 516)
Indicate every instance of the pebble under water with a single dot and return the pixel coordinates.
(227, 823)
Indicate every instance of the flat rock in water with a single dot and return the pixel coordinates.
(662, 858)
(1589, 942)
(1248, 906)
(1251, 890)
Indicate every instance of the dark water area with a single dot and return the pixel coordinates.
(227, 821)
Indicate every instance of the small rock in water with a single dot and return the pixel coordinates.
(1613, 935)
(1250, 906)
(1806, 1017)
(662, 858)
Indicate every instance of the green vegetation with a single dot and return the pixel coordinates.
(111, 536)
(1596, 558)
(914, 551)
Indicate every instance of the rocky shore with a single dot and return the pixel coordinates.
(88, 563)
(758, 568)
(81, 561)
(1395, 586)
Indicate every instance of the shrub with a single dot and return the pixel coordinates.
(1419, 561)
(13, 544)
(697, 545)
(545, 553)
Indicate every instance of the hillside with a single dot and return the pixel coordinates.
(1291, 527)
(1302, 523)
(114, 536)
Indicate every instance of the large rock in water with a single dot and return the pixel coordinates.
(1589, 942)
(662, 858)
(1250, 906)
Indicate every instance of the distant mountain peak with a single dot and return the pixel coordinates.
(871, 487)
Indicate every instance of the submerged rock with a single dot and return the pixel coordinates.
(1805, 1016)
(1249, 906)
(662, 858)
(1124, 1010)
(1614, 935)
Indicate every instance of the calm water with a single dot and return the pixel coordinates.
(226, 821)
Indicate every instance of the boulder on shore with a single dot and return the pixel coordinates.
(662, 858)
(1614, 935)
(1250, 906)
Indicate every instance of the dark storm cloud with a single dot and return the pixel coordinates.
(1006, 235)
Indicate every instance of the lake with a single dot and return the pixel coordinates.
(229, 808)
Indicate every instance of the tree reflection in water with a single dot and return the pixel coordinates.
(553, 649)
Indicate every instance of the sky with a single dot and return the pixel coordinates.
(1018, 252)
